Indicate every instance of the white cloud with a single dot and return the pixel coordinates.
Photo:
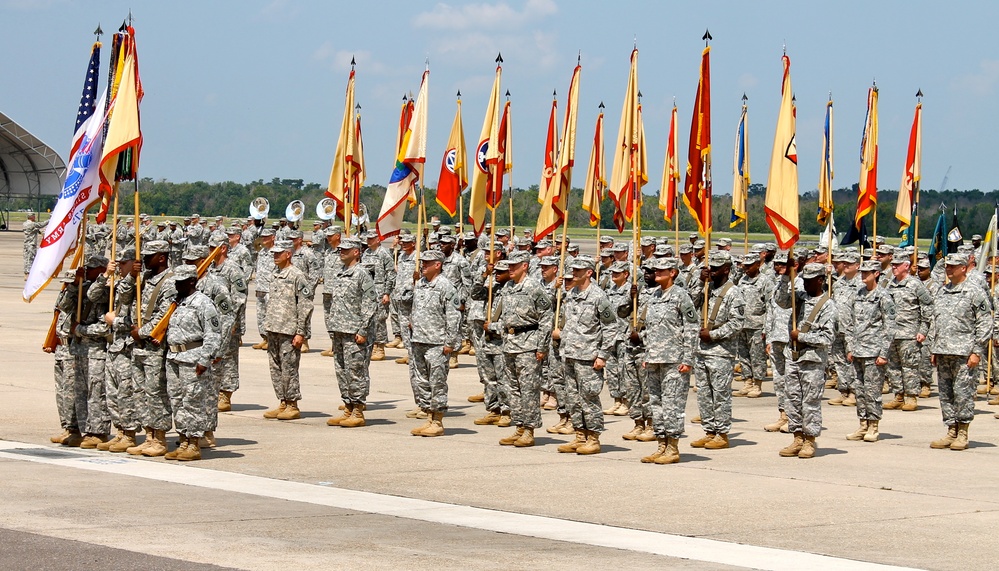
(489, 16)
(982, 83)
(278, 9)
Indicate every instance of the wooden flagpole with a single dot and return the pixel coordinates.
(114, 245)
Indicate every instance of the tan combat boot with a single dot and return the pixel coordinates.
(896, 403)
(649, 435)
(831, 383)
(851, 399)
(136, 450)
(290, 411)
(592, 444)
(74, 440)
(702, 441)
(326, 352)
(356, 418)
(872, 431)
(746, 385)
(208, 440)
(885, 388)
(190, 452)
(261, 345)
(91, 441)
(924, 392)
(105, 446)
(395, 344)
(696, 419)
(808, 448)
(550, 402)
(562, 420)
(961, 441)
(623, 409)
(404, 360)
(274, 412)
(526, 439)
(909, 403)
(838, 400)
(225, 401)
(466, 346)
(574, 444)
(419, 429)
(860, 432)
(506, 421)
(947, 440)
(452, 361)
(338, 420)
(611, 409)
(378, 352)
(509, 440)
(416, 413)
(659, 452)
(305, 349)
(719, 442)
(436, 426)
(755, 389)
(672, 454)
(490, 418)
(775, 426)
(60, 438)
(636, 431)
(477, 398)
(127, 441)
(794, 448)
(158, 446)
(994, 401)
(184, 443)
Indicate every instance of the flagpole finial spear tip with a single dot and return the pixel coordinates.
(744, 98)
(508, 94)
(579, 56)
(123, 27)
(707, 36)
(98, 32)
(601, 106)
(919, 93)
(459, 94)
(353, 62)
(554, 93)
(499, 57)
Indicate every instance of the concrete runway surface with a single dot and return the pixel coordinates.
(305, 495)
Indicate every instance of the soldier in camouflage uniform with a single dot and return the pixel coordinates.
(489, 344)
(226, 371)
(196, 233)
(290, 304)
(434, 326)
(351, 325)
(380, 256)
(121, 389)
(961, 326)
(668, 325)
(194, 338)
(311, 266)
(588, 338)
(924, 272)
(548, 277)
(331, 265)
(716, 351)
(777, 339)
(806, 356)
(148, 355)
(756, 289)
(91, 346)
(70, 388)
(622, 380)
(261, 283)
(845, 289)
(457, 270)
(870, 331)
(526, 321)
(402, 296)
(32, 229)
(913, 306)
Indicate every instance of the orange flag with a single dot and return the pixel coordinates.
(781, 205)
(697, 191)
(556, 198)
(671, 172)
(596, 183)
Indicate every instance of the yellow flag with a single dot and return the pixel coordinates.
(553, 206)
(629, 169)
(781, 204)
(596, 183)
(344, 165)
(481, 176)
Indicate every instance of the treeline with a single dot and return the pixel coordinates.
(231, 199)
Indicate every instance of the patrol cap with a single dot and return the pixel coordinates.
(839, 256)
(572, 248)
(813, 270)
(172, 223)
(584, 263)
(965, 249)
(692, 236)
(317, 222)
(606, 253)
(885, 249)
(502, 266)
(750, 259)
(469, 236)
(294, 234)
(519, 257)
(987, 269)
(219, 217)
(155, 247)
(648, 241)
(282, 246)
(127, 253)
(664, 264)
(96, 261)
(880, 240)
(616, 267)
(956, 260)
(233, 230)
(606, 240)
(549, 261)
(757, 249)
(545, 244)
(851, 257)
(900, 258)
(619, 247)
(976, 237)
(185, 272)
(780, 257)
(407, 238)
(334, 230)
(686, 249)
(198, 252)
(186, 219)
(725, 242)
(663, 250)
(435, 221)
(923, 263)
(161, 223)
(870, 266)
(350, 243)
(699, 244)
(215, 241)
(432, 256)
(821, 250)
(283, 219)
(502, 232)
(267, 233)
(770, 247)
(719, 258)
(370, 235)
(445, 239)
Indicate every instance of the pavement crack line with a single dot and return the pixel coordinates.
(540, 527)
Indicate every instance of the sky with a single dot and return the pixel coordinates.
(246, 90)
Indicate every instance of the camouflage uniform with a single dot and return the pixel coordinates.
(526, 320)
(289, 311)
(870, 331)
(589, 333)
(622, 380)
(778, 336)
(178, 242)
(31, 231)
(434, 325)
(194, 338)
(148, 360)
(70, 385)
(669, 324)
(92, 333)
(913, 305)
(961, 325)
(714, 361)
(381, 267)
(311, 267)
(402, 294)
(352, 312)
(805, 375)
(122, 392)
(751, 345)
(197, 235)
(226, 371)
(261, 286)
(843, 293)
(488, 346)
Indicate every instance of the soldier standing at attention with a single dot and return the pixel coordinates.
(668, 326)
(777, 340)
(912, 321)
(434, 326)
(289, 310)
(806, 357)
(194, 338)
(311, 267)
(262, 280)
(844, 290)
(70, 388)
(526, 322)
(961, 329)
(756, 289)
(92, 334)
(489, 345)
(31, 231)
(350, 322)
(870, 331)
(716, 351)
(402, 294)
(331, 265)
(588, 338)
(385, 263)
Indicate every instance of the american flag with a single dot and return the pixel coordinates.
(89, 99)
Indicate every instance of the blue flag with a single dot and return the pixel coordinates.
(938, 244)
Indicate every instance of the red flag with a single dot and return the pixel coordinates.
(499, 158)
(697, 191)
(454, 177)
(551, 148)
(671, 172)
(867, 194)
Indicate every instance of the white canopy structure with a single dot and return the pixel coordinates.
(29, 169)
